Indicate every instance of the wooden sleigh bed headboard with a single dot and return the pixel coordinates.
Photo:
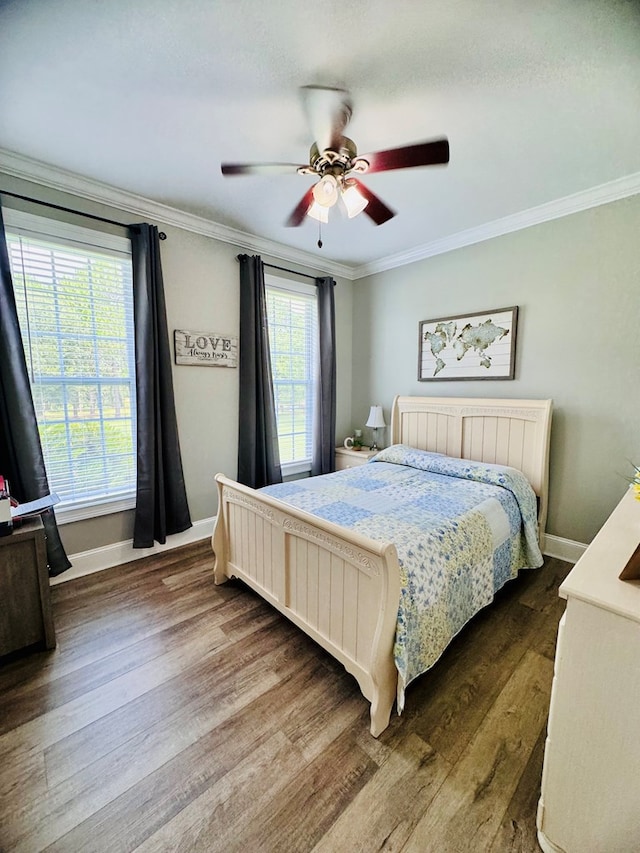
(504, 432)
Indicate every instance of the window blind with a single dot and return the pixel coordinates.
(293, 331)
(75, 306)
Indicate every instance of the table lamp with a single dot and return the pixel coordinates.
(375, 421)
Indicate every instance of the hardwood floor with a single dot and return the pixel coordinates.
(179, 716)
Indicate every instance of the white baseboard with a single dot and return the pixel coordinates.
(563, 549)
(88, 562)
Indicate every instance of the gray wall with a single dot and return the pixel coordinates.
(576, 281)
(201, 289)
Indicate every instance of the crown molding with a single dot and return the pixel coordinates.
(602, 194)
(19, 166)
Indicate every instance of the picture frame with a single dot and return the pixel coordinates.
(481, 345)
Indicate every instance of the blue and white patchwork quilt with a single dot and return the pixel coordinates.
(462, 529)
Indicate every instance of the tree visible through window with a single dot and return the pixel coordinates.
(292, 318)
(74, 299)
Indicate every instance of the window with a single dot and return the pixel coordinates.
(292, 315)
(74, 297)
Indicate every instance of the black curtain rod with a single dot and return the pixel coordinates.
(161, 235)
(295, 272)
(285, 269)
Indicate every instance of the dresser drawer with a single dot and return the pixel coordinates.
(346, 457)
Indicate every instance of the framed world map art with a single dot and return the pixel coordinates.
(468, 346)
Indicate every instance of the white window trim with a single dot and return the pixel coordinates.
(287, 284)
(85, 509)
(289, 469)
(30, 225)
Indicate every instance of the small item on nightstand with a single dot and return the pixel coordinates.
(354, 443)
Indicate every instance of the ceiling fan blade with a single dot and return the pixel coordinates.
(407, 156)
(260, 168)
(297, 215)
(328, 112)
(376, 209)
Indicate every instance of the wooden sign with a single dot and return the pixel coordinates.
(210, 349)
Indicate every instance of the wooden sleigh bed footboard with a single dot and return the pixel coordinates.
(339, 587)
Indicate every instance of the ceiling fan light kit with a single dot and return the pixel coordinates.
(334, 160)
(327, 192)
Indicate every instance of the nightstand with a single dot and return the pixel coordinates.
(347, 457)
(25, 615)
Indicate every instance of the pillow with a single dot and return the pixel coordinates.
(403, 454)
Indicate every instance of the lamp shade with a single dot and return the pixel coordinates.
(317, 211)
(354, 201)
(376, 418)
(325, 192)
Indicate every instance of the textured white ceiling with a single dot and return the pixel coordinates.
(538, 100)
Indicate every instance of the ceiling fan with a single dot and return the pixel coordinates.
(335, 162)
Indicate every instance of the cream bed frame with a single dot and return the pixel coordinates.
(341, 588)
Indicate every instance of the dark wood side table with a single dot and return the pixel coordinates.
(25, 599)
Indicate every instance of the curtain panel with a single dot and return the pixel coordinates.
(21, 459)
(161, 498)
(258, 453)
(324, 425)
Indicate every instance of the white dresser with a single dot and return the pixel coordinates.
(590, 799)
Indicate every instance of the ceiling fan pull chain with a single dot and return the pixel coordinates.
(319, 234)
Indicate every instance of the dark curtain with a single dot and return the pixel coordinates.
(21, 460)
(161, 498)
(258, 454)
(324, 423)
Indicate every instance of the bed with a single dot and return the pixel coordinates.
(347, 590)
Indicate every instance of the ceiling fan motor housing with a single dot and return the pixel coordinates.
(336, 162)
